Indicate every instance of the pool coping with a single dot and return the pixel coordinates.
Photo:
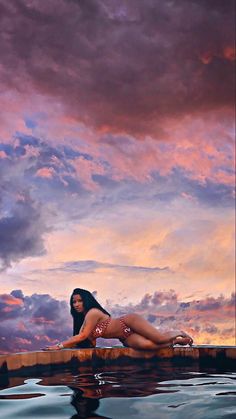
(220, 356)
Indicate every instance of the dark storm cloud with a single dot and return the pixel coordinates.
(121, 65)
(32, 322)
(209, 193)
(23, 220)
(18, 294)
(159, 298)
(25, 192)
(21, 232)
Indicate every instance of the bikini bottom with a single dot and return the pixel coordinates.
(126, 330)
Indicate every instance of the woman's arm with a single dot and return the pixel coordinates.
(87, 327)
(70, 343)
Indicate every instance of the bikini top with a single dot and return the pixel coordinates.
(100, 328)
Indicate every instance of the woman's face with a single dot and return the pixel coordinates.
(77, 303)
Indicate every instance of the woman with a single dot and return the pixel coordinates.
(92, 321)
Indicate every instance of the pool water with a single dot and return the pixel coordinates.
(148, 391)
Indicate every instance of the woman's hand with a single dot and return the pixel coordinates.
(51, 348)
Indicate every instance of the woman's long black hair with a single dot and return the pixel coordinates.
(78, 318)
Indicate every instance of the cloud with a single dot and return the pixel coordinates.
(10, 300)
(22, 216)
(21, 232)
(38, 320)
(3, 155)
(102, 124)
(33, 205)
(52, 321)
(164, 309)
(45, 172)
(122, 67)
(93, 266)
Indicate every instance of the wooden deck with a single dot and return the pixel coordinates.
(219, 356)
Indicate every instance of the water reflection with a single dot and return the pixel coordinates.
(110, 381)
(120, 381)
(126, 381)
(89, 392)
(85, 406)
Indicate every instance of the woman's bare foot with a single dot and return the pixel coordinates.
(179, 340)
(186, 335)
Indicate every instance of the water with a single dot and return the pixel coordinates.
(129, 392)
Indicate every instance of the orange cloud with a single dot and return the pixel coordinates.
(229, 53)
(10, 300)
(45, 172)
(206, 57)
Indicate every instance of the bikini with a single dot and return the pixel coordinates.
(100, 328)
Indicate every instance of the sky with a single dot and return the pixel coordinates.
(117, 165)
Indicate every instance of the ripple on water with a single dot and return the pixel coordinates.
(128, 392)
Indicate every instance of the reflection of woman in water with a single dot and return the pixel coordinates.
(85, 406)
(92, 321)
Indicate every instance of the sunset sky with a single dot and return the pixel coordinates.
(116, 165)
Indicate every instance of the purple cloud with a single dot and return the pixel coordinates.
(125, 65)
(21, 232)
(31, 322)
(93, 266)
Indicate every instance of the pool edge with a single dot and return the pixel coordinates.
(217, 355)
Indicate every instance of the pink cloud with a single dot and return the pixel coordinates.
(142, 74)
(21, 326)
(31, 151)
(3, 155)
(43, 338)
(208, 320)
(23, 342)
(85, 169)
(201, 147)
(188, 196)
(7, 309)
(45, 172)
(227, 52)
(41, 320)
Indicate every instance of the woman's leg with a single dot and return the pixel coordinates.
(136, 341)
(142, 327)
